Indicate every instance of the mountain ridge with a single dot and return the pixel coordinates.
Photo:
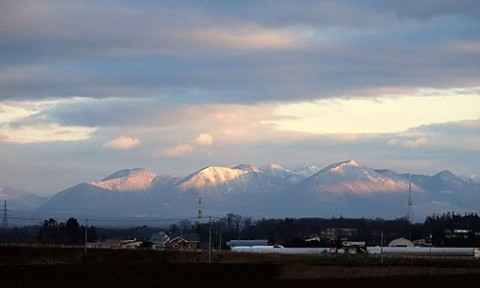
(344, 188)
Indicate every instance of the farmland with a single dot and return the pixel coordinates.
(57, 267)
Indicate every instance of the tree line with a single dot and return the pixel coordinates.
(447, 229)
(50, 231)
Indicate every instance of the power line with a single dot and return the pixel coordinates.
(113, 219)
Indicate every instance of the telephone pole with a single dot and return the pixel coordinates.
(199, 208)
(5, 215)
(410, 204)
(210, 240)
(381, 246)
(86, 225)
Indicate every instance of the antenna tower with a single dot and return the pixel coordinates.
(5, 216)
(199, 207)
(410, 203)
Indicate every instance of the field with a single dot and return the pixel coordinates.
(56, 267)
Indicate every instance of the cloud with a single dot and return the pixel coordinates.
(187, 148)
(25, 122)
(122, 143)
(176, 151)
(204, 139)
(458, 137)
(429, 9)
(44, 132)
(413, 142)
(315, 50)
(472, 47)
(246, 38)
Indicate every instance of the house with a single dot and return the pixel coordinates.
(159, 240)
(184, 242)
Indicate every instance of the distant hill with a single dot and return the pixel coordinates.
(18, 199)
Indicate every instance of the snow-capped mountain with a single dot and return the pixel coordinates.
(353, 178)
(214, 177)
(345, 188)
(305, 172)
(280, 175)
(275, 170)
(125, 192)
(128, 180)
(223, 183)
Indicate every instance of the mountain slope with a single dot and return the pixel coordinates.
(221, 183)
(352, 177)
(128, 180)
(18, 199)
(213, 176)
(127, 192)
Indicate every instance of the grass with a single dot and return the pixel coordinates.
(56, 267)
(364, 260)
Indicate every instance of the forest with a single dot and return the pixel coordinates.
(448, 229)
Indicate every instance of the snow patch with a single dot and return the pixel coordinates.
(247, 167)
(127, 180)
(210, 177)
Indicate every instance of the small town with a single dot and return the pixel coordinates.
(449, 234)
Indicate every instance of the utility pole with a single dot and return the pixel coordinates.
(199, 208)
(86, 225)
(220, 241)
(5, 216)
(410, 204)
(381, 247)
(210, 240)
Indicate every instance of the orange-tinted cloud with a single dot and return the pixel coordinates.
(122, 143)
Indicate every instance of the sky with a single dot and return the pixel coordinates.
(91, 87)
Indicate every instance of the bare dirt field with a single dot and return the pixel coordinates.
(54, 267)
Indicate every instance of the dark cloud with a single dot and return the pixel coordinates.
(169, 49)
(456, 130)
(104, 113)
(429, 8)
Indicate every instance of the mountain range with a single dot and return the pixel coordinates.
(346, 188)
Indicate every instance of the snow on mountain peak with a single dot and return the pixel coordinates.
(276, 171)
(340, 166)
(306, 172)
(137, 179)
(273, 166)
(349, 169)
(210, 177)
(247, 167)
(352, 177)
